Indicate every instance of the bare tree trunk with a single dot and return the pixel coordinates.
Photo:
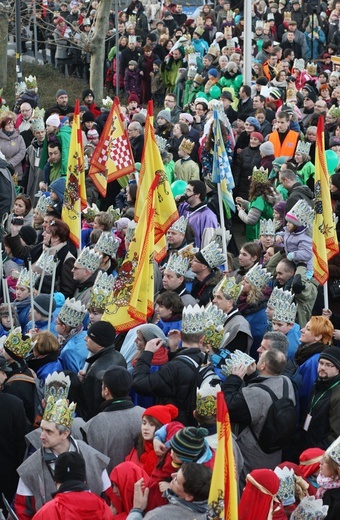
(3, 45)
(98, 48)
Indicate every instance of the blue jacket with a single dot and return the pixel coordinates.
(74, 353)
(309, 373)
(258, 326)
(293, 337)
(23, 309)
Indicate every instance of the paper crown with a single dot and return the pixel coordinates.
(230, 44)
(130, 231)
(20, 88)
(46, 263)
(299, 64)
(206, 400)
(284, 312)
(212, 254)
(301, 214)
(107, 244)
(267, 227)
(186, 146)
(161, 143)
(17, 345)
(90, 212)
(258, 276)
(286, 491)
(334, 451)
(24, 278)
(199, 79)
(311, 68)
(43, 204)
(214, 50)
(199, 31)
(31, 82)
(287, 15)
(229, 288)
(57, 385)
(37, 120)
(334, 111)
(72, 313)
(59, 412)
(214, 327)
(114, 212)
(178, 264)
(101, 291)
(89, 259)
(303, 147)
(193, 319)
(260, 175)
(310, 508)
(107, 102)
(279, 295)
(236, 359)
(180, 225)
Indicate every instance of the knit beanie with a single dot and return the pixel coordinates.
(61, 92)
(28, 234)
(87, 116)
(258, 136)
(188, 443)
(87, 92)
(58, 186)
(133, 97)
(150, 331)
(213, 72)
(280, 208)
(334, 141)
(140, 118)
(165, 114)
(253, 122)
(53, 120)
(70, 466)
(41, 303)
(102, 333)
(332, 354)
(267, 148)
(92, 134)
(164, 414)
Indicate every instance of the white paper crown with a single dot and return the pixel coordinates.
(20, 88)
(89, 259)
(43, 204)
(213, 254)
(284, 312)
(46, 263)
(57, 385)
(299, 64)
(161, 143)
(258, 276)
(193, 319)
(310, 508)
(229, 288)
(107, 244)
(334, 451)
(130, 231)
(101, 291)
(279, 295)
(286, 491)
(107, 102)
(178, 264)
(24, 278)
(236, 359)
(301, 214)
(303, 147)
(72, 313)
(180, 225)
(267, 227)
(31, 81)
(215, 319)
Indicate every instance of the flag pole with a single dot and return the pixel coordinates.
(325, 296)
(224, 239)
(55, 263)
(31, 291)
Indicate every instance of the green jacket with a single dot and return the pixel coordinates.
(64, 138)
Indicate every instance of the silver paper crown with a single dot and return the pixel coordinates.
(180, 225)
(43, 204)
(101, 291)
(213, 254)
(107, 244)
(302, 213)
(334, 451)
(20, 88)
(72, 313)
(89, 259)
(303, 147)
(229, 288)
(24, 278)
(193, 319)
(215, 319)
(278, 295)
(178, 264)
(286, 491)
(107, 102)
(161, 143)
(284, 312)
(57, 385)
(310, 508)
(267, 227)
(258, 276)
(46, 262)
(130, 231)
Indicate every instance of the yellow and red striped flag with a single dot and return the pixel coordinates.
(113, 156)
(75, 190)
(223, 497)
(325, 241)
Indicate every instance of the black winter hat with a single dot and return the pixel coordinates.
(332, 354)
(41, 303)
(88, 116)
(70, 466)
(28, 234)
(102, 333)
(88, 92)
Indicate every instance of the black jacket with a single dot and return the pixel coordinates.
(332, 499)
(298, 192)
(203, 291)
(24, 390)
(7, 189)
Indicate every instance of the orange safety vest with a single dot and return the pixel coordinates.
(287, 148)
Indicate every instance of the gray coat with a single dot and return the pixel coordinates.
(14, 149)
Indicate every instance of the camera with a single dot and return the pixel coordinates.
(17, 221)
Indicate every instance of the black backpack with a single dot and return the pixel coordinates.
(279, 427)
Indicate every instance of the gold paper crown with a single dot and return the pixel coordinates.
(43, 203)
(186, 146)
(59, 412)
(291, 93)
(312, 68)
(303, 147)
(213, 254)
(193, 319)
(258, 276)
(72, 313)
(199, 31)
(107, 103)
(199, 79)
(214, 50)
(215, 319)
(24, 278)
(101, 291)
(284, 312)
(46, 263)
(178, 264)
(206, 400)
(107, 244)
(89, 259)
(260, 175)
(287, 15)
(18, 346)
(278, 294)
(267, 227)
(301, 214)
(57, 385)
(161, 143)
(90, 212)
(229, 288)
(334, 111)
(132, 18)
(180, 225)
(31, 81)
(188, 251)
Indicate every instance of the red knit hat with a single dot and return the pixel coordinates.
(164, 414)
(258, 136)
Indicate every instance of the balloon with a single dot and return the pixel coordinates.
(202, 95)
(215, 92)
(178, 188)
(332, 161)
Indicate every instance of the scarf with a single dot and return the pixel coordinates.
(326, 483)
(305, 352)
(149, 458)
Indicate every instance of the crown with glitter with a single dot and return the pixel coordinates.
(214, 50)
(90, 212)
(212, 254)
(17, 345)
(59, 412)
(310, 508)
(258, 276)
(287, 15)
(311, 68)
(180, 225)
(260, 175)
(334, 111)
(46, 263)
(303, 147)
(186, 146)
(206, 399)
(43, 204)
(193, 319)
(89, 259)
(267, 227)
(279, 295)
(24, 278)
(31, 82)
(178, 264)
(229, 288)
(301, 214)
(101, 291)
(334, 451)
(114, 212)
(20, 88)
(299, 64)
(284, 312)
(107, 244)
(286, 491)
(161, 143)
(72, 313)
(37, 120)
(57, 385)
(214, 327)
(107, 103)
(130, 231)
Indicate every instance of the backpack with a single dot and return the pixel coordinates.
(38, 394)
(279, 427)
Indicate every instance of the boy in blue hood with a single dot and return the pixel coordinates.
(57, 189)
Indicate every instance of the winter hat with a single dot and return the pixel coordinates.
(133, 97)
(280, 208)
(63, 120)
(187, 117)
(88, 116)
(163, 414)
(226, 95)
(332, 354)
(58, 186)
(312, 96)
(258, 136)
(53, 120)
(157, 62)
(70, 466)
(140, 118)
(253, 122)
(122, 223)
(151, 331)
(310, 461)
(213, 72)
(41, 303)
(83, 108)
(334, 141)
(275, 93)
(188, 443)
(61, 92)
(102, 333)
(87, 92)
(165, 114)
(152, 37)
(92, 134)
(28, 234)
(267, 148)
(335, 180)
(232, 67)
(133, 62)
(3, 365)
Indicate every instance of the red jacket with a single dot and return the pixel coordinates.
(82, 505)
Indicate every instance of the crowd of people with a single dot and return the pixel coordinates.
(101, 424)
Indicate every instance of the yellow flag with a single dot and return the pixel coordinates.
(75, 191)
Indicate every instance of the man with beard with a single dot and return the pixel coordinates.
(61, 107)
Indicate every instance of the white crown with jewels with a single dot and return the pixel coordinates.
(130, 231)
(178, 264)
(72, 313)
(180, 225)
(107, 244)
(89, 259)
(101, 291)
(334, 451)
(213, 254)
(267, 227)
(286, 491)
(43, 204)
(302, 212)
(57, 385)
(24, 278)
(279, 295)
(303, 147)
(46, 263)
(193, 319)
(284, 312)
(258, 276)
(161, 143)
(310, 508)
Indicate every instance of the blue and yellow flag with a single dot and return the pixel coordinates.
(221, 173)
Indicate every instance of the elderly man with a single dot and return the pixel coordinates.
(135, 133)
